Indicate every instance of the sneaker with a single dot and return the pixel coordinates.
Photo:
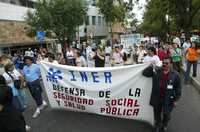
(36, 113)
(28, 128)
(194, 75)
(44, 104)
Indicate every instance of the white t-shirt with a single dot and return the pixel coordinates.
(70, 54)
(108, 50)
(153, 59)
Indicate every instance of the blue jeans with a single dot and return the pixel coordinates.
(22, 98)
(36, 91)
(189, 64)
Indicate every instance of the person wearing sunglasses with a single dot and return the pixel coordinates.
(166, 91)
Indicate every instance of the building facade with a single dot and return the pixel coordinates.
(13, 28)
(95, 26)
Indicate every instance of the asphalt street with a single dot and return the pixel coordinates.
(185, 118)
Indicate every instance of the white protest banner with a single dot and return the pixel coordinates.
(112, 91)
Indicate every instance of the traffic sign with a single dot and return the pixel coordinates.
(40, 35)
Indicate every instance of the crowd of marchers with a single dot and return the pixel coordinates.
(166, 61)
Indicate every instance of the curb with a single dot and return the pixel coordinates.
(196, 83)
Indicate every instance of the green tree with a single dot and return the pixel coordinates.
(182, 13)
(58, 17)
(154, 18)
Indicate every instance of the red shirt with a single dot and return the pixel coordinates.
(163, 83)
(161, 54)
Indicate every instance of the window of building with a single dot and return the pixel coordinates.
(30, 4)
(23, 3)
(87, 22)
(99, 20)
(5, 1)
(13, 2)
(93, 20)
(103, 21)
(93, 2)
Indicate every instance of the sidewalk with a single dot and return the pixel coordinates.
(196, 80)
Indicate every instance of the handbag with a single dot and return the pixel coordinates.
(17, 84)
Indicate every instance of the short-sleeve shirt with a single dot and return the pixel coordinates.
(176, 55)
(192, 54)
(31, 72)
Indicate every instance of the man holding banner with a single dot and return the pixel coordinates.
(166, 91)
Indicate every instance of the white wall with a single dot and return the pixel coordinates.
(12, 12)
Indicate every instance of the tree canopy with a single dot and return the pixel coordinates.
(58, 17)
(183, 15)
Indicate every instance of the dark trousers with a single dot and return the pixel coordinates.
(36, 91)
(161, 118)
(189, 64)
(17, 104)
